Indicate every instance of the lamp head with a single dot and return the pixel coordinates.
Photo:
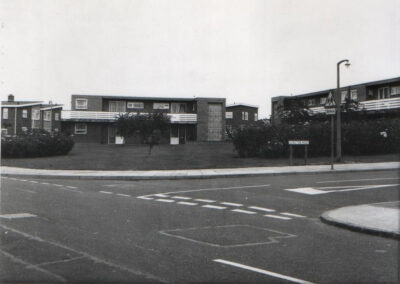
(347, 64)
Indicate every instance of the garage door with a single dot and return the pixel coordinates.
(214, 122)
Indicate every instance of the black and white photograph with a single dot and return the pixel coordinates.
(200, 141)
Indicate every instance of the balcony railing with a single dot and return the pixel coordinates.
(188, 118)
(373, 105)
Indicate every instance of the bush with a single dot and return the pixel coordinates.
(38, 143)
(360, 137)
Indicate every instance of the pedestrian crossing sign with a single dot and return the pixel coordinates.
(330, 101)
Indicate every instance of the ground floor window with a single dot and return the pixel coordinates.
(80, 128)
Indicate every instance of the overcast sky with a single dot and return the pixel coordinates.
(247, 51)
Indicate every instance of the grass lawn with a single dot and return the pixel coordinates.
(164, 157)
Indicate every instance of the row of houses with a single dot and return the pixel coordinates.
(91, 118)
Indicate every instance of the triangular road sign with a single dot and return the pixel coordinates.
(330, 100)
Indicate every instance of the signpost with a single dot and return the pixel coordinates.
(305, 143)
(330, 107)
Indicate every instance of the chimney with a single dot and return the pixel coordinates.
(10, 98)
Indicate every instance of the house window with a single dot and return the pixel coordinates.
(383, 93)
(47, 115)
(5, 113)
(81, 103)
(117, 106)
(322, 100)
(395, 91)
(135, 104)
(256, 117)
(24, 129)
(178, 107)
(343, 96)
(57, 116)
(311, 102)
(80, 128)
(245, 115)
(24, 113)
(160, 105)
(4, 131)
(353, 95)
(228, 114)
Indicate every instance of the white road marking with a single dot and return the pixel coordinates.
(145, 197)
(160, 195)
(261, 208)
(306, 190)
(33, 181)
(350, 180)
(277, 217)
(46, 183)
(231, 204)
(262, 271)
(59, 185)
(124, 195)
(22, 180)
(214, 207)
(165, 200)
(292, 215)
(321, 190)
(106, 192)
(187, 203)
(205, 200)
(243, 211)
(217, 188)
(17, 216)
(181, 197)
(73, 187)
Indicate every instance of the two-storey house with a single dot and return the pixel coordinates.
(91, 118)
(240, 115)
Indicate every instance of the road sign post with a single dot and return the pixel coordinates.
(330, 108)
(292, 143)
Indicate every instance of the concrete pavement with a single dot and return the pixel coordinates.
(379, 218)
(195, 173)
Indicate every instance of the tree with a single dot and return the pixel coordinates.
(149, 126)
(294, 111)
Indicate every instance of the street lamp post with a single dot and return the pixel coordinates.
(338, 113)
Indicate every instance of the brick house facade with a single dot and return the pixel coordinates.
(239, 116)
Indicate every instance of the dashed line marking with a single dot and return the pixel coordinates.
(214, 207)
(17, 215)
(22, 180)
(165, 200)
(243, 211)
(33, 181)
(187, 203)
(182, 197)
(145, 197)
(277, 217)
(45, 183)
(205, 200)
(262, 209)
(123, 195)
(161, 195)
(292, 215)
(231, 204)
(74, 187)
(59, 185)
(106, 192)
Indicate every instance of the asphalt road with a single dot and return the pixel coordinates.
(236, 230)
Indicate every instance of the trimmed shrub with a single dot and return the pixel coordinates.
(36, 144)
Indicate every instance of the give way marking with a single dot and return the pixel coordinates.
(332, 189)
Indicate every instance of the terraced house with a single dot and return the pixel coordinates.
(18, 117)
(240, 115)
(91, 118)
(375, 99)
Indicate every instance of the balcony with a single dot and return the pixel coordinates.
(97, 116)
(373, 105)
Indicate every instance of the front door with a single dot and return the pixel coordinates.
(111, 135)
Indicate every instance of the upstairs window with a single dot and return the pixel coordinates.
(80, 128)
(35, 114)
(343, 96)
(57, 116)
(136, 105)
(311, 102)
(353, 95)
(245, 115)
(117, 106)
(178, 107)
(24, 113)
(5, 113)
(256, 117)
(81, 103)
(47, 115)
(383, 93)
(228, 114)
(395, 90)
(322, 100)
(160, 105)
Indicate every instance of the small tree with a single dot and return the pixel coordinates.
(150, 127)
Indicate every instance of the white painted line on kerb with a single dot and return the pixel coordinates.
(106, 192)
(181, 197)
(262, 271)
(350, 180)
(187, 203)
(123, 195)
(277, 217)
(232, 204)
(261, 209)
(165, 200)
(214, 207)
(292, 215)
(17, 215)
(243, 211)
(145, 197)
(205, 200)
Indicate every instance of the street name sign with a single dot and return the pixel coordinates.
(299, 142)
(330, 111)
